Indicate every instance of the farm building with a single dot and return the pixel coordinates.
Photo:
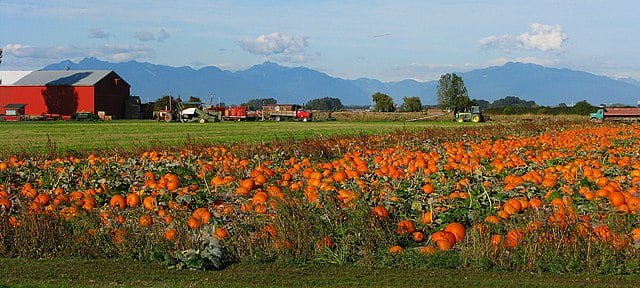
(64, 92)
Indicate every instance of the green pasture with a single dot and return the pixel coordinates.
(58, 136)
(128, 273)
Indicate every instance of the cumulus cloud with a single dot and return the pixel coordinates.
(54, 52)
(544, 37)
(277, 46)
(125, 52)
(144, 36)
(98, 33)
(112, 52)
(541, 37)
(163, 35)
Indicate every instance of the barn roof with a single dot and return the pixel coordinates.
(14, 106)
(10, 77)
(62, 78)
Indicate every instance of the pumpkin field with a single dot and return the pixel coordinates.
(543, 197)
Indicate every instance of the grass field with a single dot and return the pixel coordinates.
(42, 137)
(109, 273)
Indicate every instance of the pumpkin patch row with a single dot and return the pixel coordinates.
(427, 192)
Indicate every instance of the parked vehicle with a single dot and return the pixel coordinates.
(616, 114)
(473, 115)
(279, 112)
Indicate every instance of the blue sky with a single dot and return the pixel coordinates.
(386, 40)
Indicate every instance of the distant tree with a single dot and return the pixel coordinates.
(563, 105)
(256, 104)
(356, 107)
(326, 104)
(583, 108)
(484, 104)
(384, 102)
(411, 104)
(194, 99)
(512, 101)
(452, 94)
(163, 102)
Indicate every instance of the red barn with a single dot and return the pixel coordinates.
(67, 92)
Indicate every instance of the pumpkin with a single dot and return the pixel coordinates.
(117, 201)
(396, 250)
(133, 200)
(457, 230)
(145, 220)
(380, 212)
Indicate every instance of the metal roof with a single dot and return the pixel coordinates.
(10, 77)
(62, 78)
(14, 106)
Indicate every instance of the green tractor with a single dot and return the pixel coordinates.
(474, 115)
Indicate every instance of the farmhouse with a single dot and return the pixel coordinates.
(63, 93)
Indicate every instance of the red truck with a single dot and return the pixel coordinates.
(279, 112)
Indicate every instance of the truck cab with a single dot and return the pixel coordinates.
(598, 115)
(304, 115)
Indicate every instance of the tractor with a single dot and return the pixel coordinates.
(473, 115)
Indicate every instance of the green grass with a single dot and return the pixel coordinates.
(107, 273)
(43, 137)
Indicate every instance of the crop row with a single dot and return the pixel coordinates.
(521, 197)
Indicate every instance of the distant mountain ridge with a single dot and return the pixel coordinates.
(545, 86)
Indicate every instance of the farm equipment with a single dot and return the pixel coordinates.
(84, 116)
(616, 114)
(184, 114)
(474, 115)
(239, 113)
(279, 112)
(195, 114)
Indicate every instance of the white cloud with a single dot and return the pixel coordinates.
(55, 52)
(164, 35)
(112, 52)
(144, 36)
(277, 46)
(125, 52)
(502, 42)
(98, 33)
(542, 37)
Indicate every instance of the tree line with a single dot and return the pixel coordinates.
(451, 93)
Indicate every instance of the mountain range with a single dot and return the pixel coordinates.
(545, 86)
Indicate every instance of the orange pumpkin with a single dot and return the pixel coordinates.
(117, 201)
(145, 220)
(380, 212)
(133, 200)
(396, 250)
(457, 230)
